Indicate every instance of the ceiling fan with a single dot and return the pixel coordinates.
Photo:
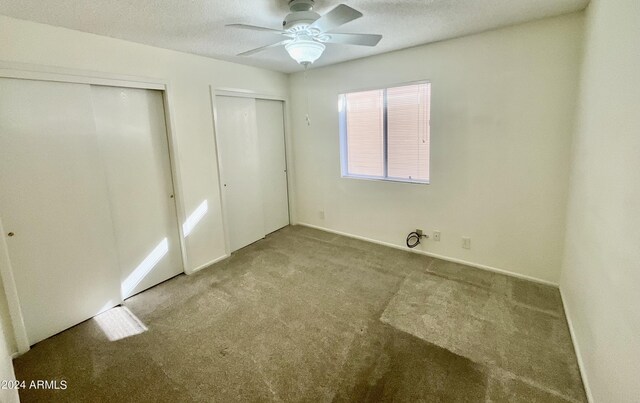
(306, 31)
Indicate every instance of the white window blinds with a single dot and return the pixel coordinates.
(385, 133)
(408, 132)
(365, 143)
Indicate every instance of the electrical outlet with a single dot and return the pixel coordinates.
(466, 243)
(419, 232)
(321, 214)
(436, 236)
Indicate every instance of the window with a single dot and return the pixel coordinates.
(384, 133)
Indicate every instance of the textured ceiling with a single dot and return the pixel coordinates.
(197, 26)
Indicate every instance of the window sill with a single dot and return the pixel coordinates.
(378, 179)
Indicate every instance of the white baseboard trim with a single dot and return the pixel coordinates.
(442, 257)
(204, 266)
(576, 347)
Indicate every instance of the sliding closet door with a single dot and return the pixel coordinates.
(133, 137)
(273, 165)
(237, 140)
(54, 205)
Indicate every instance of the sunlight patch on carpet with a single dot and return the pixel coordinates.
(119, 323)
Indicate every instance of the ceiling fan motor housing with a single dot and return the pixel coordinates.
(301, 15)
(299, 19)
(301, 5)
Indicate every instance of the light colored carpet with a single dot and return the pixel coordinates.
(305, 315)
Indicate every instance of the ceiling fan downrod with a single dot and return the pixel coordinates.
(301, 5)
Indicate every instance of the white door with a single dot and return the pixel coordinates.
(133, 138)
(54, 205)
(273, 165)
(237, 141)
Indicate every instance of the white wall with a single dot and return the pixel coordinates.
(502, 117)
(601, 270)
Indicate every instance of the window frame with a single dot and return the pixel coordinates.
(342, 119)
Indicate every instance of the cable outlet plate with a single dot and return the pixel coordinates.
(436, 236)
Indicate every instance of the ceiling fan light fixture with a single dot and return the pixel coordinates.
(305, 51)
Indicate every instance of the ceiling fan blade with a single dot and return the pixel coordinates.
(260, 49)
(336, 17)
(255, 28)
(355, 39)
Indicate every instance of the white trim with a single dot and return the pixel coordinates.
(176, 178)
(576, 347)
(383, 179)
(385, 86)
(442, 257)
(288, 148)
(58, 74)
(223, 201)
(204, 266)
(240, 93)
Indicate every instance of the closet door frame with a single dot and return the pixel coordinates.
(288, 146)
(56, 74)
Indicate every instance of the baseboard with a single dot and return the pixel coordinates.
(576, 347)
(435, 255)
(204, 266)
